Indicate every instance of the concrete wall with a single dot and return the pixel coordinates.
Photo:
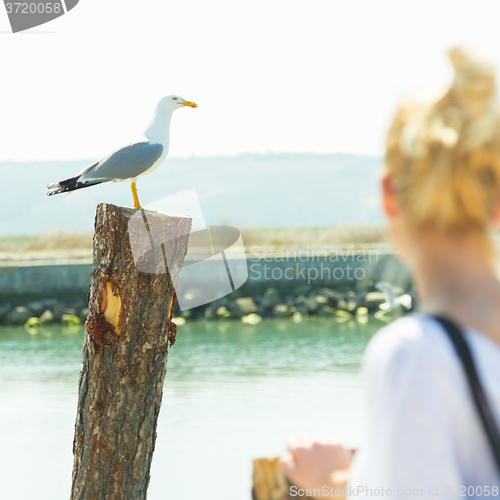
(346, 269)
(352, 269)
(45, 280)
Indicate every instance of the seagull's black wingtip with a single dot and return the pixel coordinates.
(56, 191)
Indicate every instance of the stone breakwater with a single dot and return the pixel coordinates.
(340, 283)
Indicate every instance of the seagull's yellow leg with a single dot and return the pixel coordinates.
(134, 194)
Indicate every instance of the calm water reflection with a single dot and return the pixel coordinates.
(233, 392)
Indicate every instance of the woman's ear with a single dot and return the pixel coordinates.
(388, 197)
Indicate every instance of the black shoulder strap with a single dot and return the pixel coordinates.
(475, 386)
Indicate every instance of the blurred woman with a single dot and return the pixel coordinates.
(441, 194)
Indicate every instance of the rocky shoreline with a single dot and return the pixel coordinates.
(297, 303)
(44, 312)
(343, 283)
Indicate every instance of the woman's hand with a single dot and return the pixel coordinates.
(316, 464)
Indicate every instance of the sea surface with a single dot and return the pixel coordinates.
(233, 392)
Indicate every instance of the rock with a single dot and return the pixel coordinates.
(18, 316)
(362, 315)
(47, 317)
(280, 310)
(37, 307)
(297, 317)
(373, 300)
(223, 302)
(58, 311)
(197, 312)
(342, 316)
(321, 299)
(32, 322)
(223, 313)
(302, 310)
(349, 303)
(333, 295)
(300, 300)
(5, 309)
(211, 312)
(245, 306)
(308, 303)
(362, 311)
(270, 298)
(257, 298)
(263, 311)
(179, 321)
(326, 310)
(311, 305)
(251, 319)
(70, 319)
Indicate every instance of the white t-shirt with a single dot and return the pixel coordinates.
(425, 437)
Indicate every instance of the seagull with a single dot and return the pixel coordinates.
(391, 301)
(132, 160)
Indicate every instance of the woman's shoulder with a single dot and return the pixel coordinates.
(412, 350)
(412, 335)
(411, 362)
(418, 340)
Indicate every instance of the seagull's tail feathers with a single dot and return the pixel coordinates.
(74, 183)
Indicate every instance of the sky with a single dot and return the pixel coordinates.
(322, 76)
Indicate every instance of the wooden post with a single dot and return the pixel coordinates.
(127, 334)
(270, 483)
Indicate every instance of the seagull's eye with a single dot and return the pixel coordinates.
(174, 98)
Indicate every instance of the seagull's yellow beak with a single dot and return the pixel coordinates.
(190, 104)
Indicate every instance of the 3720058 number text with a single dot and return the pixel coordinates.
(33, 8)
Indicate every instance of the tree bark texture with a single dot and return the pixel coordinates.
(127, 334)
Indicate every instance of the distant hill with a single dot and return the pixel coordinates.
(269, 190)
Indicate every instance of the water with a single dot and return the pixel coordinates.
(233, 392)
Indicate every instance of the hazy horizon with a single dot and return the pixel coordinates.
(209, 157)
(246, 190)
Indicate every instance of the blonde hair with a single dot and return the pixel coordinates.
(443, 156)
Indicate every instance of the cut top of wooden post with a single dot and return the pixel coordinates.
(134, 251)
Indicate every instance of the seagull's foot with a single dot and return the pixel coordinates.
(137, 205)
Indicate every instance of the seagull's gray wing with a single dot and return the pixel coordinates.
(126, 163)
(388, 290)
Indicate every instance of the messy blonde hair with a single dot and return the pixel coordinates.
(443, 156)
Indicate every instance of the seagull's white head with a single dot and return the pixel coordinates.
(173, 102)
